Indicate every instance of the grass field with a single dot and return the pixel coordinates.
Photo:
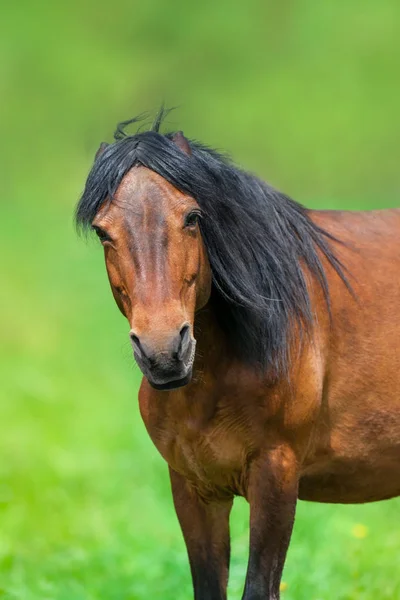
(85, 506)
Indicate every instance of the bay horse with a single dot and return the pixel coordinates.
(268, 337)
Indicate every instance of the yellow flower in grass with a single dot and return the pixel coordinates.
(359, 531)
(283, 586)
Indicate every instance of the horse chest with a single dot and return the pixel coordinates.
(208, 450)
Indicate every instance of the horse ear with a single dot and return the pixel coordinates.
(179, 139)
(101, 149)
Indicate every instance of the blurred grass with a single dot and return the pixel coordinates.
(304, 93)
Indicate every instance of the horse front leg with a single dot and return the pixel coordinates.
(272, 490)
(205, 528)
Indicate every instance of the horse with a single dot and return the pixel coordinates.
(267, 335)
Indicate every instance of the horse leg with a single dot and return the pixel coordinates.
(205, 528)
(272, 494)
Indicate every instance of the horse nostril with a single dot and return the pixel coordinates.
(176, 348)
(137, 345)
(184, 342)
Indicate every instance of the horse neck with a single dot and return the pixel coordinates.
(217, 364)
(212, 350)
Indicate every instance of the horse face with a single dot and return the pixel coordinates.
(158, 270)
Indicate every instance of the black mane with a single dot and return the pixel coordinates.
(260, 243)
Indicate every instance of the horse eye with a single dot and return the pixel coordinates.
(121, 291)
(192, 219)
(101, 234)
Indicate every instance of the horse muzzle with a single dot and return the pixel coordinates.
(167, 367)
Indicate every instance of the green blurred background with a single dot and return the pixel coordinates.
(306, 94)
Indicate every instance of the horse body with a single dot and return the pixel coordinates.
(340, 416)
(268, 339)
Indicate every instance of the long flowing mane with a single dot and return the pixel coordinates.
(260, 243)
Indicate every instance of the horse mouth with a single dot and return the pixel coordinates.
(173, 384)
